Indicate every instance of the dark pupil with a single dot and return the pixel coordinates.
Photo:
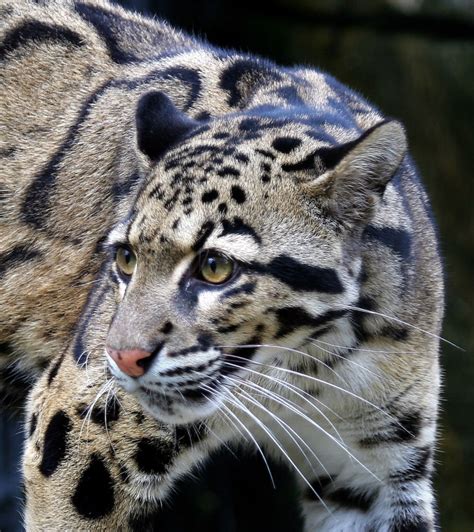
(212, 263)
(127, 256)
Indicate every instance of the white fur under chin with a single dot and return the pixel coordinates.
(180, 412)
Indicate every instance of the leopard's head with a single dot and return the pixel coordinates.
(242, 245)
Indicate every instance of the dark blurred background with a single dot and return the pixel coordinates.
(415, 60)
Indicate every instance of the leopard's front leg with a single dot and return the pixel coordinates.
(396, 496)
(93, 460)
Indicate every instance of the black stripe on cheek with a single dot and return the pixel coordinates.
(79, 351)
(16, 256)
(38, 32)
(301, 277)
(33, 424)
(238, 194)
(292, 318)
(353, 499)
(55, 443)
(244, 352)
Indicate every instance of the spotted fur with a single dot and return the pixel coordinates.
(322, 346)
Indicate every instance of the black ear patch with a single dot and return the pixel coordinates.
(160, 124)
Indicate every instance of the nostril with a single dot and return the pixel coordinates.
(128, 360)
(145, 363)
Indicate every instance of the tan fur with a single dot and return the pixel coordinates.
(70, 113)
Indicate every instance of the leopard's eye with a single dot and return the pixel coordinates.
(126, 260)
(215, 268)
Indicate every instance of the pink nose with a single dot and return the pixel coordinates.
(127, 360)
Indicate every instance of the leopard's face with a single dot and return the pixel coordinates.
(225, 266)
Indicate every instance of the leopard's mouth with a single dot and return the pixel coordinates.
(184, 393)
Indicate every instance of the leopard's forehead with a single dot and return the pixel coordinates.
(225, 173)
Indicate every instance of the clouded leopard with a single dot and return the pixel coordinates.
(198, 247)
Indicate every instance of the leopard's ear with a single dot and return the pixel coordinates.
(351, 189)
(160, 124)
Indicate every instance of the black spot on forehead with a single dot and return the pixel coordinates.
(249, 124)
(221, 135)
(228, 171)
(237, 194)
(209, 196)
(241, 157)
(265, 153)
(94, 495)
(167, 327)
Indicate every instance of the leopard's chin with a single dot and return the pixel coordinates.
(175, 410)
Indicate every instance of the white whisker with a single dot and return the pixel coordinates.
(274, 397)
(398, 320)
(273, 438)
(249, 433)
(340, 444)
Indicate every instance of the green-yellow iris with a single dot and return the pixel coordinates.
(126, 260)
(216, 268)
